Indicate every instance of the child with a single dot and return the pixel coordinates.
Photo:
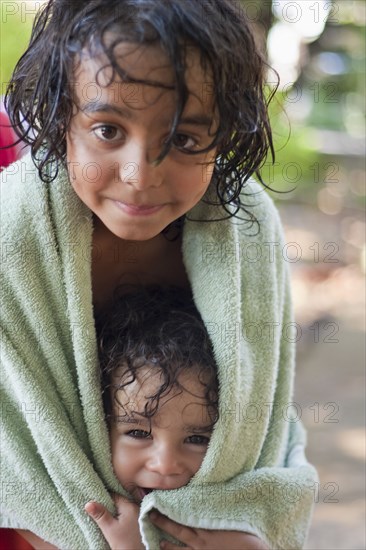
(160, 392)
(146, 120)
(156, 356)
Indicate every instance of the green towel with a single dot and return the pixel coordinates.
(55, 448)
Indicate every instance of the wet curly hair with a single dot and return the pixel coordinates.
(158, 327)
(40, 97)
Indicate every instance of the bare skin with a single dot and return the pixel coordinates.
(116, 262)
(35, 541)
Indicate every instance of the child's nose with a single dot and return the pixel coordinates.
(166, 461)
(137, 167)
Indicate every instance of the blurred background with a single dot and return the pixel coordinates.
(318, 119)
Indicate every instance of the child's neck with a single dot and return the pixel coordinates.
(117, 262)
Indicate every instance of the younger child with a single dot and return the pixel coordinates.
(160, 389)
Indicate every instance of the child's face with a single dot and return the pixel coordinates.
(119, 129)
(163, 452)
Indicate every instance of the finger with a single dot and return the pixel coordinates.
(180, 532)
(99, 514)
(256, 543)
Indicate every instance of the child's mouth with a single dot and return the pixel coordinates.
(136, 210)
(144, 491)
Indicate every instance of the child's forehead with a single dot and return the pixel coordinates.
(145, 66)
(138, 61)
(180, 404)
(148, 379)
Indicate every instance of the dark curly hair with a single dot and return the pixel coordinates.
(159, 327)
(40, 96)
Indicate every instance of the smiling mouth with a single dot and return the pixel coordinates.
(138, 210)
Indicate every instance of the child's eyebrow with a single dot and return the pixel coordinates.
(197, 120)
(98, 107)
(127, 419)
(198, 429)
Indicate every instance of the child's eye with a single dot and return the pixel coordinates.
(198, 439)
(107, 133)
(138, 434)
(184, 142)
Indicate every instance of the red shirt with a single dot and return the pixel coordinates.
(7, 137)
(10, 540)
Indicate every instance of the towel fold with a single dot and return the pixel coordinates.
(55, 452)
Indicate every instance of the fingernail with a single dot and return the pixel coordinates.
(89, 508)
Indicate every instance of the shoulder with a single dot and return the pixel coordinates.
(262, 241)
(261, 220)
(22, 204)
(21, 189)
(19, 172)
(256, 221)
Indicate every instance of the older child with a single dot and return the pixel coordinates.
(146, 119)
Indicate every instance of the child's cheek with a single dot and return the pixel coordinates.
(125, 464)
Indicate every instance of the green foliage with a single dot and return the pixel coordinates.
(15, 30)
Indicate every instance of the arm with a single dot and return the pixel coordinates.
(35, 541)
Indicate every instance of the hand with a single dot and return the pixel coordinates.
(121, 532)
(201, 539)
